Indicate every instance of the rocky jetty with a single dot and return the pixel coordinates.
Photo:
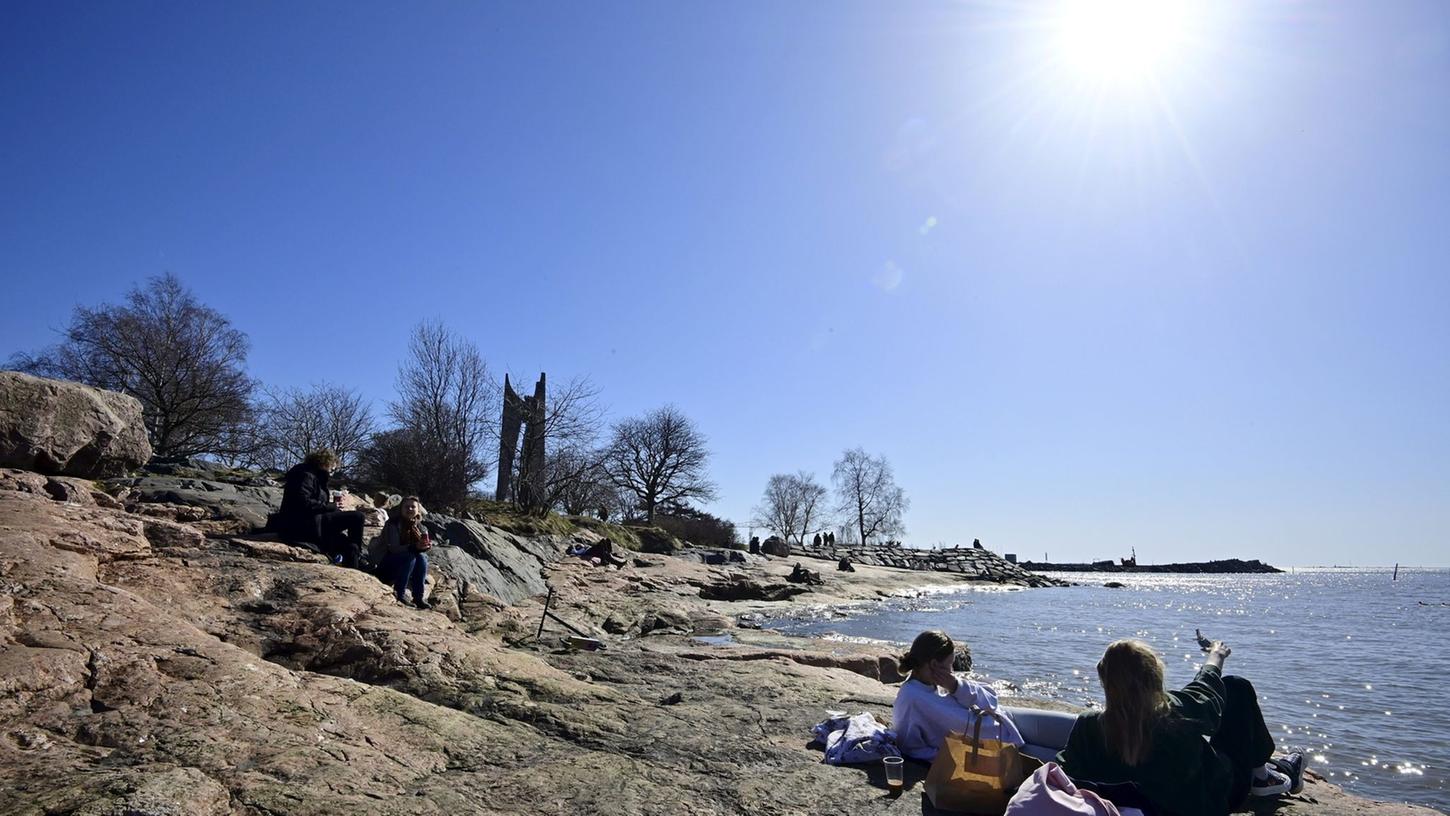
(1227, 566)
(973, 562)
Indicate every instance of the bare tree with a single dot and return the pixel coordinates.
(575, 416)
(445, 410)
(577, 481)
(868, 494)
(183, 360)
(401, 459)
(291, 423)
(618, 504)
(790, 505)
(660, 458)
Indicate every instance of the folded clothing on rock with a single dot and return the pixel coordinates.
(856, 739)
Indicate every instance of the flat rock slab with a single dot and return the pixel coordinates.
(246, 503)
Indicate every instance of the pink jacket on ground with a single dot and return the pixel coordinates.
(1049, 792)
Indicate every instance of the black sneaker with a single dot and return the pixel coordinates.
(1269, 782)
(422, 604)
(1291, 766)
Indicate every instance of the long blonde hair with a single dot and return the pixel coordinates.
(1132, 677)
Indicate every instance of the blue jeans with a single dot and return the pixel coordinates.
(408, 570)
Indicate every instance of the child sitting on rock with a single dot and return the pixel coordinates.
(407, 544)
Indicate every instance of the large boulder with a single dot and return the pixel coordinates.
(775, 546)
(485, 559)
(65, 428)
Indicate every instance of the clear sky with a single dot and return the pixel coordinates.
(1090, 283)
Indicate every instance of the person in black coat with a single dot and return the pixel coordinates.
(309, 515)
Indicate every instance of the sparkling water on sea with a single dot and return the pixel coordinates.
(1350, 665)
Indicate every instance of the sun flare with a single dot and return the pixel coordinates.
(1121, 40)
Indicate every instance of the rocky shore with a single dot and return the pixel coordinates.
(156, 662)
(151, 669)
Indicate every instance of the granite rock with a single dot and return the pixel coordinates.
(64, 428)
(147, 670)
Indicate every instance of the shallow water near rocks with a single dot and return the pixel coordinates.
(715, 639)
(1350, 665)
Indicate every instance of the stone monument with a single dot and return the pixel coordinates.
(528, 414)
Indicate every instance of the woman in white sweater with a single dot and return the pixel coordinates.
(935, 700)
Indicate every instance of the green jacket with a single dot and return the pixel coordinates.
(1183, 774)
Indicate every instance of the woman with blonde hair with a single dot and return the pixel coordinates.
(407, 544)
(1155, 738)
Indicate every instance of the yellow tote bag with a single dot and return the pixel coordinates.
(973, 774)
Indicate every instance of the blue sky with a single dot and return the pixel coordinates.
(1198, 309)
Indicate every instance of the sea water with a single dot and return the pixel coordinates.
(1350, 665)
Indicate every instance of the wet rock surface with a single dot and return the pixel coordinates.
(147, 668)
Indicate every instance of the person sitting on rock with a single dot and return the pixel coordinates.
(845, 565)
(1155, 738)
(309, 515)
(934, 700)
(801, 575)
(407, 544)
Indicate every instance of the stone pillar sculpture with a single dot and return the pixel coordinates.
(508, 440)
(531, 469)
(528, 414)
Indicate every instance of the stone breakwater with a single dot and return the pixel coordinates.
(970, 562)
(1227, 566)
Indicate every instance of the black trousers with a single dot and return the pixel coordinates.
(1243, 737)
(340, 533)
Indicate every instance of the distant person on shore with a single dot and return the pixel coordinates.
(308, 513)
(601, 552)
(1155, 739)
(801, 575)
(407, 544)
(845, 565)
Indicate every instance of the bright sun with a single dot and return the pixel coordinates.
(1121, 40)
